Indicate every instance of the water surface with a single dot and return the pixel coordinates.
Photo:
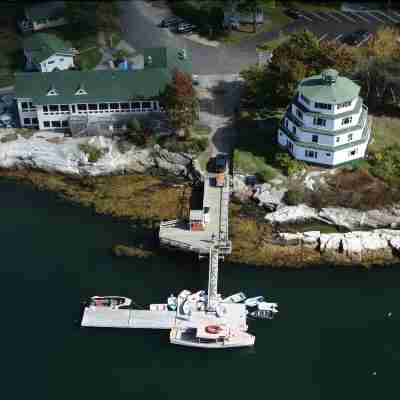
(332, 333)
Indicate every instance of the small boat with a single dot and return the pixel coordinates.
(254, 301)
(158, 307)
(113, 302)
(264, 306)
(262, 314)
(235, 298)
(172, 303)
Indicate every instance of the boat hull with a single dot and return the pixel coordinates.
(225, 345)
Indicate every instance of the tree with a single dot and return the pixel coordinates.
(107, 14)
(385, 43)
(180, 101)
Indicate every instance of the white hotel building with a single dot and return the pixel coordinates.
(327, 122)
(100, 101)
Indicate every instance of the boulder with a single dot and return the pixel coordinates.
(269, 197)
(292, 214)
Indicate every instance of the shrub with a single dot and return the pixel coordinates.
(192, 146)
(294, 196)
(289, 165)
(266, 173)
(134, 125)
(385, 164)
(94, 153)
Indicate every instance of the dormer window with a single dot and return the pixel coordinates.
(81, 90)
(52, 91)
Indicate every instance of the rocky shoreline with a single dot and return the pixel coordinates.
(119, 184)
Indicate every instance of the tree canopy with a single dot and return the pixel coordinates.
(299, 56)
(180, 101)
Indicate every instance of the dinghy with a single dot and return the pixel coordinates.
(254, 301)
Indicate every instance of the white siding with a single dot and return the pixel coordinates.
(57, 61)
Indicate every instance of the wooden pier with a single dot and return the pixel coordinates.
(178, 234)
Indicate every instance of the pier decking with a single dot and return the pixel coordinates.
(177, 234)
(103, 317)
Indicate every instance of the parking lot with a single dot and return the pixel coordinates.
(334, 24)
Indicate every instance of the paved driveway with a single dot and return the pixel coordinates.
(140, 19)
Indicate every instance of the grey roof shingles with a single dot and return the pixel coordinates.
(107, 86)
(49, 9)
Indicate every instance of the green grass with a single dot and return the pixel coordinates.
(94, 153)
(385, 131)
(273, 44)
(256, 145)
(89, 59)
(201, 130)
(12, 58)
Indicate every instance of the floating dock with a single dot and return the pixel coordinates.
(103, 317)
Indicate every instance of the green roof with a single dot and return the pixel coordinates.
(108, 86)
(44, 45)
(328, 87)
(168, 57)
(49, 9)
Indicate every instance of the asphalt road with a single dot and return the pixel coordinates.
(140, 19)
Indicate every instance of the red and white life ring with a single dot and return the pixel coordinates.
(213, 329)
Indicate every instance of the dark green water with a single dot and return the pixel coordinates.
(330, 336)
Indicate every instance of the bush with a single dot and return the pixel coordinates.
(134, 125)
(385, 164)
(94, 153)
(295, 196)
(266, 173)
(191, 146)
(289, 165)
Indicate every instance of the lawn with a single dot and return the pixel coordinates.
(256, 145)
(12, 58)
(385, 131)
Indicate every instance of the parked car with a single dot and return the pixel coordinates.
(185, 27)
(357, 38)
(170, 22)
(221, 162)
(294, 13)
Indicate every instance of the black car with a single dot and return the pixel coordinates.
(221, 162)
(170, 22)
(357, 37)
(185, 27)
(294, 13)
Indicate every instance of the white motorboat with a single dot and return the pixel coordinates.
(211, 336)
(113, 302)
(265, 306)
(235, 298)
(254, 301)
(262, 314)
(172, 302)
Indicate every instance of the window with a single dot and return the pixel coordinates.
(286, 123)
(315, 138)
(343, 105)
(24, 105)
(136, 105)
(27, 121)
(125, 106)
(82, 107)
(353, 152)
(46, 124)
(50, 62)
(289, 145)
(337, 139)
(56, 124)
(350, 137)
(64, 124)
(346, 121)
(61, 59)
(64, 107)
(328, 154)
(304, 98)
(92, 107)
(294, 129)
(323, 106)
(53, 108)
(35, 121)
(146, 104)
(114, 106)
(31, 106)
(103, 106)
(45, 109)
(311, 154)
(319, 121)
(299, 114)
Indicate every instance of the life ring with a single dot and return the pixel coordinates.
(213, 329)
